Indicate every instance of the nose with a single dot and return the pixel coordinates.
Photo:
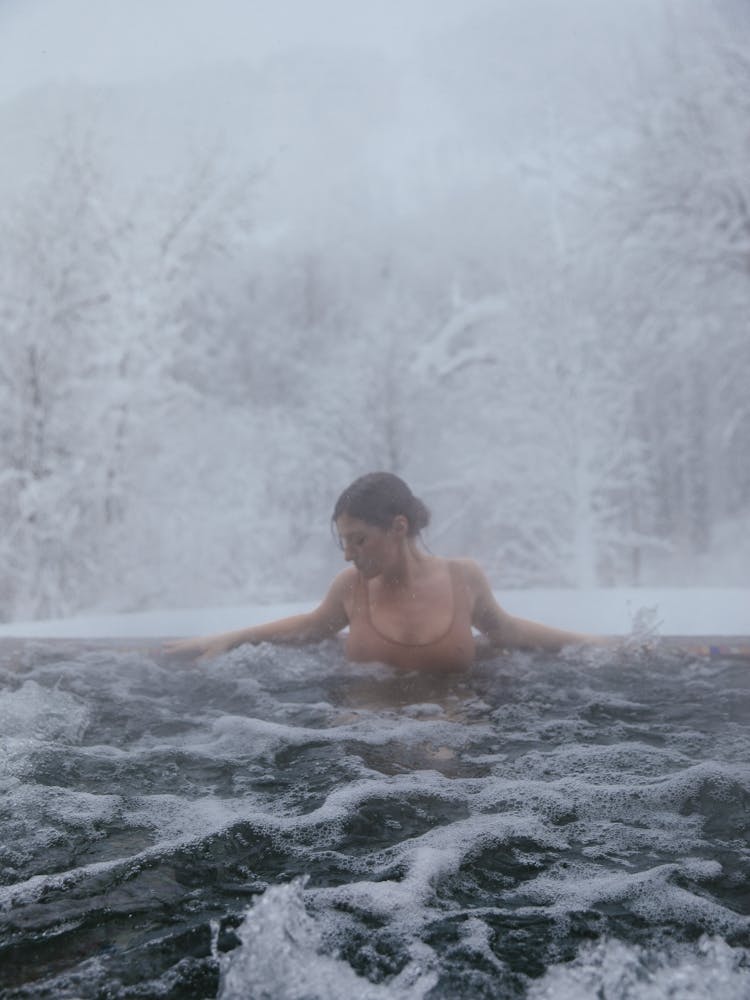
(348, 554)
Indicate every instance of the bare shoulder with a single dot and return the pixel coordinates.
(332, 614)
(472, 573)
(486, 613)
(344, 583)
(342, 590)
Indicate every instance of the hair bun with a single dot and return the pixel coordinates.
(378, 497)
(419, 516)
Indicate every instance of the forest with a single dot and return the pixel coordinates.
(223, 298)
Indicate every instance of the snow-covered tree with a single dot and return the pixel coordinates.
(53, 297)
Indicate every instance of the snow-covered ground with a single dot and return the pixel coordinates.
(683, 611)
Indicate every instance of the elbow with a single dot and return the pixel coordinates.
(315, 629)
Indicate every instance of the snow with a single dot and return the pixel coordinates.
(508, 265)
(675, 611)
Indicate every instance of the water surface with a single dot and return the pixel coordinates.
(281, 824)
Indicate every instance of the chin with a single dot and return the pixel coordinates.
(368, 572)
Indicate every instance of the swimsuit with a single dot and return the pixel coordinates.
(454, 649)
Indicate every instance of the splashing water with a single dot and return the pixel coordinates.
(281, 824)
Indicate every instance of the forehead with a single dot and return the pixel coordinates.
(346, 525)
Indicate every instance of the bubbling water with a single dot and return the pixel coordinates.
(283, 824)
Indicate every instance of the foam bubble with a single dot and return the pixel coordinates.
(282, 956)
(534, 798)
(425, 860)
(233, 735)
(36, 712)
(650, 893)
(618, 971)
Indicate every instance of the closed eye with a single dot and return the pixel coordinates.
(346, 540)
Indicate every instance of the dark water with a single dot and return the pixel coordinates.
(279, 824)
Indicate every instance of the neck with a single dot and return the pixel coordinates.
(408, 565)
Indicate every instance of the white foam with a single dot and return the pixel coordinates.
(618, 971)
(619, 804)
(282, 956)
(234, 735)
(36, 712)
(431, 856)
(476, 937)
(649, 893)
(176, 823)
(63, 806)
(596, 784)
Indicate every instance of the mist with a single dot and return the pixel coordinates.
(248, 253)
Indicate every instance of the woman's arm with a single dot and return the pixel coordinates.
(322, 623)
(505, 631)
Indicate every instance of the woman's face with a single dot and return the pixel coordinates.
(369, 547)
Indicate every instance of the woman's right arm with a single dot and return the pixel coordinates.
(324, 622)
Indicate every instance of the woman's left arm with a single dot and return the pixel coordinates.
(505, 631)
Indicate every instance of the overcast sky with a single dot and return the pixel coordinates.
(122, 40)
(117, 40)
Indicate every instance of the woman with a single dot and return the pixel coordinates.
(404, 607)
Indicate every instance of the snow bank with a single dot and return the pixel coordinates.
(678, 611)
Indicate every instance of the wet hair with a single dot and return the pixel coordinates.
(377, 498)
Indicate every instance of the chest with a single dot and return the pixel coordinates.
(415, 616)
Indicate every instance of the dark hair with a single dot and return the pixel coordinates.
(377, 498)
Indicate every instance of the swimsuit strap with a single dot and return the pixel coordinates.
(413, 645)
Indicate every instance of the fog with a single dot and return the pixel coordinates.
(249, 251)
(109, 42)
